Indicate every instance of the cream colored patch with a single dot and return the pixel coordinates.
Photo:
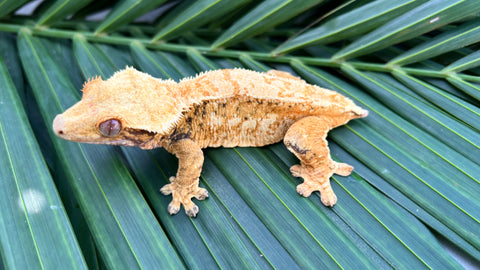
(249, 125)
(246, 132)
(234, 122)
(216, 120)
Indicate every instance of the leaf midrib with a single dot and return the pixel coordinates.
(325, 62)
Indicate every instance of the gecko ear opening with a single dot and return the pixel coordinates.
(110, 127)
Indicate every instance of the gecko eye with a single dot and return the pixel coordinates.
(110, 127)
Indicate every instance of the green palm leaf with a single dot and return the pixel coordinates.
(32, 213)
(7, 6)
(349, 24)
(416, 156)
(470, 89)
(124, 12)
(188, 16)
(261, 18)
(461, 36)
(413, 23)
(470, 61)
(58, 9)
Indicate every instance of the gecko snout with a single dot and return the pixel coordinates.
(58, 125)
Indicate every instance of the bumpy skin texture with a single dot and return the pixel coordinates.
(231, 107)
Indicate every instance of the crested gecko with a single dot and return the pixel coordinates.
(229, 108)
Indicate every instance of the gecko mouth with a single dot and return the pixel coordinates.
(122, 141)
(117, 142)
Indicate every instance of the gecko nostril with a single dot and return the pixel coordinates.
(58, 125)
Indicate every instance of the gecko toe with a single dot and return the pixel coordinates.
(296, 170)
(167, 189)
(202, 194)
(304, 190)
(173, 208)
(191, 210)
(329, 199)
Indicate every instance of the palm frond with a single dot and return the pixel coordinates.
(412, 64)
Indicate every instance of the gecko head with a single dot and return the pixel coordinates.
(128, 109)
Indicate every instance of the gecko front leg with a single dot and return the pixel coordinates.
(184, 186)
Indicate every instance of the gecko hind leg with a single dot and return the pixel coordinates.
(306, 138)
(184, 186)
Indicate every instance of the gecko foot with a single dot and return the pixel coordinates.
(319, 180)
(327, 195)
(182, 195)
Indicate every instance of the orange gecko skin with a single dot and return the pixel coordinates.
(229, 107)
